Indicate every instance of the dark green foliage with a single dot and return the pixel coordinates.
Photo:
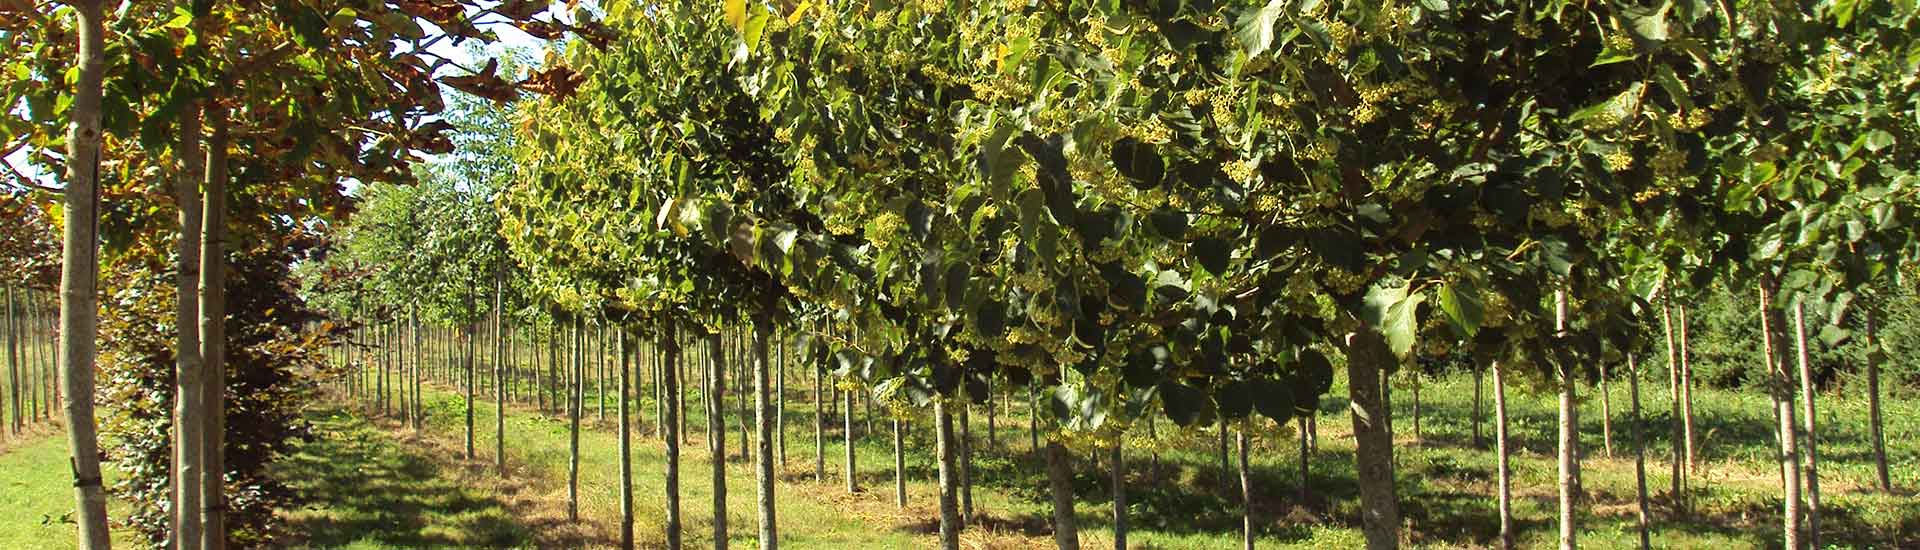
(271, 369)
(1724, 333)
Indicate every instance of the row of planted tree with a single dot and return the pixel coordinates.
(30, 343)
(1197, 210)
(1184, 209)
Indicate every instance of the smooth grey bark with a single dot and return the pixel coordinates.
(819, 426)
(189, 428)
(13, 358)
(846, 431)
(780, 405)
(1569, 447)
(1693, 443)
(899, 466)
(1876, 430)
(499, 376)
(1789, 457)
(469, 331)
(1504, 454)
(1678, 461)
(1246, 495)
(1807, 415)
(79, 274)
(576, 404)
(1306, 463)
(1606, 414)
(672, 425)
(950, 523)
(763, 417)
(1119, 495)
(1479, 378)
(966, 459)
(717, 429)
(1367, 357)
(1066, 531)
(1417, 440)
(1639, 452)
(419, 411)
(213, 333)
(626, 439)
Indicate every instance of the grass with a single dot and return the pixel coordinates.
(1185, 499)
(36, 494)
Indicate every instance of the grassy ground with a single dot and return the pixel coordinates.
(1184, 499)
(36, 494)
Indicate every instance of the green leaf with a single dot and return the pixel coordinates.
(1170, 223)
(1235, 399)
(1255, 28)
(1390, 310)
(1139, 162)
(735, 13)
(1316, 371)
(1460, 301)
(1213, 254)
(1183, 403)
(1273, 399)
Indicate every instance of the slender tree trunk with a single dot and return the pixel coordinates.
(12, 356)
(993, 431)
(1686, 398)
(1226, 458)
(1417, 439)
(950, 523)
(1306, 462)
(846, 431)
(1569, 436)
(469, 331)
(672, 426)
(1876, 429)
(1033, 418)
(819, 426)
(1479, 378)
(1119, 495)
(1246, 495)
(419, 411)
(213, 334)
(1606, 413)
(1066, 531)
(1789, 457)
(780, 405)
(1367, 357)
(717, 426)
(899, 466)
(763, 417)
(1639, 452)
(626, 438)
(1504, 453)
(1679, 458)
(966, 459)
(189, 424)
(576, 406)
(1807, 414)
(500, 376)
(79, 275)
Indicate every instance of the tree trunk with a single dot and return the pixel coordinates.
(1569, 435)
(576, 405)
(1504, 452)
(1246, 495)
(1639, 451)
(672, 425)
(763, 418)
(1606, 414)
(717, 428)
(189, 424)
(13, 359)
(1479, 378)
(468, 359)
(899, 466)
(1119, 495)
(993, 430)
(966, 459)
(819, 425)
(626, 440)
(419, 411)
(1679, 459)
(1033, 418)
(1066, 532)
(846, 431)
(1789, 457)
(79, 275)
(780, 406)
(500, 376)
(213, 334)
(1876, 429)
(950, 523)
(1807, 414)
(1686, 399)
(1416, 408)
(1367, 357)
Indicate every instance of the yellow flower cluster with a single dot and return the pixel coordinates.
(1267, 202)
(1242, 170)
(1364, 113)
(884, 228)
(1619, 160)
(1690, 120)
(1321, 149)
(1151, 131)
(1342, 281)
(1619, 42)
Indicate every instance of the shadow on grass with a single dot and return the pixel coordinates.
(366, 488)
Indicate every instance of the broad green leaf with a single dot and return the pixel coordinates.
(1255, 28)
(1460, 301)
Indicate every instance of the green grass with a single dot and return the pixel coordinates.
(36, 495)
(1446, 484)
